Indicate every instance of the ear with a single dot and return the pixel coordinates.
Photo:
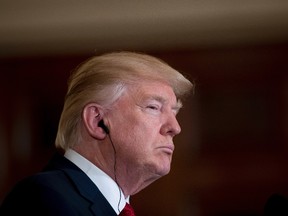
(91, 116)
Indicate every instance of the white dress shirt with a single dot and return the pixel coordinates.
(105, 183)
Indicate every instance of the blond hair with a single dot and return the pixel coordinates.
(102, 79)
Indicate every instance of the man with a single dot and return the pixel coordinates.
(116, 132)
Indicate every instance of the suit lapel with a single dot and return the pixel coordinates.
(85, 187)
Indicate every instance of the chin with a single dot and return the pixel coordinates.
(165, 165)
(160, 168)
(164, 170)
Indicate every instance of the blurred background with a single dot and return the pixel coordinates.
(232, 152)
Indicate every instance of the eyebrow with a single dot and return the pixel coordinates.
(178, 106)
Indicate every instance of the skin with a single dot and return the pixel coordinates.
(142, 125)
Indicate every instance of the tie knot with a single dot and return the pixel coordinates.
(127, 211)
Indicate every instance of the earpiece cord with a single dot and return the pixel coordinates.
(115, 176)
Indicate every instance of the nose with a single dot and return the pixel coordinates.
(171, 126)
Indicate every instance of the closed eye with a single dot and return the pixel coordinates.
(153, 107)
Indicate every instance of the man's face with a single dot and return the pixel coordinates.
(142, 125)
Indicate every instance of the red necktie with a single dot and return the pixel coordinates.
(127, 211)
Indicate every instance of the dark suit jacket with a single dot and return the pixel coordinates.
(276, 205)
(61, 189)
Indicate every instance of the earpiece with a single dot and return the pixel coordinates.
(106, 129)
(103, 126)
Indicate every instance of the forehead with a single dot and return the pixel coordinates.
(156, 90)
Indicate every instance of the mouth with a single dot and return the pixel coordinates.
(168, 149)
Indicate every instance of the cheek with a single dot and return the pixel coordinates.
(136, 132)
(137, 141)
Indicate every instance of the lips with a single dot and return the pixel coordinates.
(168, 148)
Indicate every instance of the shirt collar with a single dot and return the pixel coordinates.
(105, 183)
